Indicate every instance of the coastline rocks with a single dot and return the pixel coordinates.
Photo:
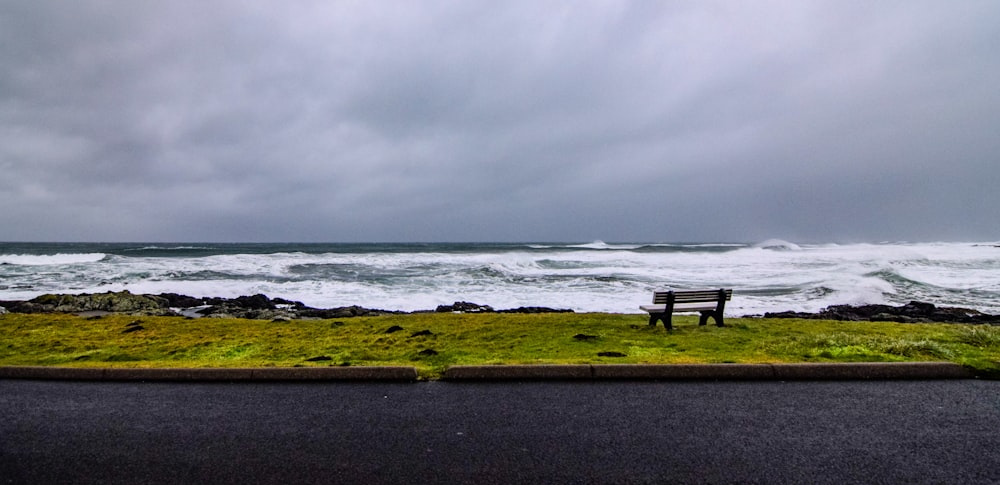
(342, 312)
(467, 307)
(256, 307)
(536, 309)
(913, 312)
(464, 307)
(122, 302)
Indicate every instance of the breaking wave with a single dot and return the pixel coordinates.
(773, 275)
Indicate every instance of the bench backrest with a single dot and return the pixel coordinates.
(694, 296)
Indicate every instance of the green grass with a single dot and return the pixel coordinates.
(464, 339)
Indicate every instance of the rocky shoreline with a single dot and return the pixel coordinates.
(912, 312)
(258, 307)
(261, 307)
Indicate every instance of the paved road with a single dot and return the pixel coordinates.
(551, 432)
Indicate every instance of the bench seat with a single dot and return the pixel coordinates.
(679, 308)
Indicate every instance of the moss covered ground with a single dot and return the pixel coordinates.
(431, 342)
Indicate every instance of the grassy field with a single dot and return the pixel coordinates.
(432, 342)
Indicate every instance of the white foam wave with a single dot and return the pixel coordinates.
(50, 259)
(807, 279)
(603, 245)
(778, 244)
(169, 248)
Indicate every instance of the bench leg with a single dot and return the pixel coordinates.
(714, 314)
(665, 317)
(704, 318)
(705, 315)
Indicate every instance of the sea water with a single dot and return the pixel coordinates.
(769, 276)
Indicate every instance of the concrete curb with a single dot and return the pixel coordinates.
(675, 372)
(851, 371)
(213, 375)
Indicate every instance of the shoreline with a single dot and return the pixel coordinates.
(262, 307)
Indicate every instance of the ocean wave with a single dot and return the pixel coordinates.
(170, 248)
(601, 245)
(50, 259)
(587, 277)
(778, 244)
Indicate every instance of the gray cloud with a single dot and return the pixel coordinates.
(347, 121)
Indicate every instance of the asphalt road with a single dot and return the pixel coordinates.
(538, 432)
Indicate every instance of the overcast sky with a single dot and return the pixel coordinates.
(539, 120)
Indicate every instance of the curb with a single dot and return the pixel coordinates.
(213, 375)
(672, 372)
(743, 372)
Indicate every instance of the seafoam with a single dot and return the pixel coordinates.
(769, 276)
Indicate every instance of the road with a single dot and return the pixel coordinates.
(537, 432)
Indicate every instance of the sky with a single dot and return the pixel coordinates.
(474, 120)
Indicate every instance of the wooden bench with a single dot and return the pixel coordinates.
(710, 303)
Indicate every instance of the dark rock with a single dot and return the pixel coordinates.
(393, 329)
(427, 352)
(611, 354)
(912, 312)
(120, 302)
(319, 359)
(917, 309)
(133, 329)
(293, 304)
(464, 307)
(421, 333)
(134, 323)
(255, 302)
(789, 314)
(536, 309)
(181, 301)
(344, 312)
(581, 336)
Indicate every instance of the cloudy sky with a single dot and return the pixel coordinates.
(534, 120)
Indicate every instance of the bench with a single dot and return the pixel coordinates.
(710, 303)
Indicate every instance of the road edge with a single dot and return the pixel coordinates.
(744, 372)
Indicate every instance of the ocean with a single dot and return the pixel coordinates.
(600, 277)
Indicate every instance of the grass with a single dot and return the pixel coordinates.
(432, 342)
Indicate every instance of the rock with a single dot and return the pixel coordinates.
(464, 307)
(321, 358)
(120, 302)
(421, 333)
(536, 309)
(581, 336)
(131, 329)
(887, 317)
(2, 310)
(393, 329)
(344, 312)
(611, 354)
(255, 302)
(427, 352)
(181, 301)
(912, 312)
(290, 303)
